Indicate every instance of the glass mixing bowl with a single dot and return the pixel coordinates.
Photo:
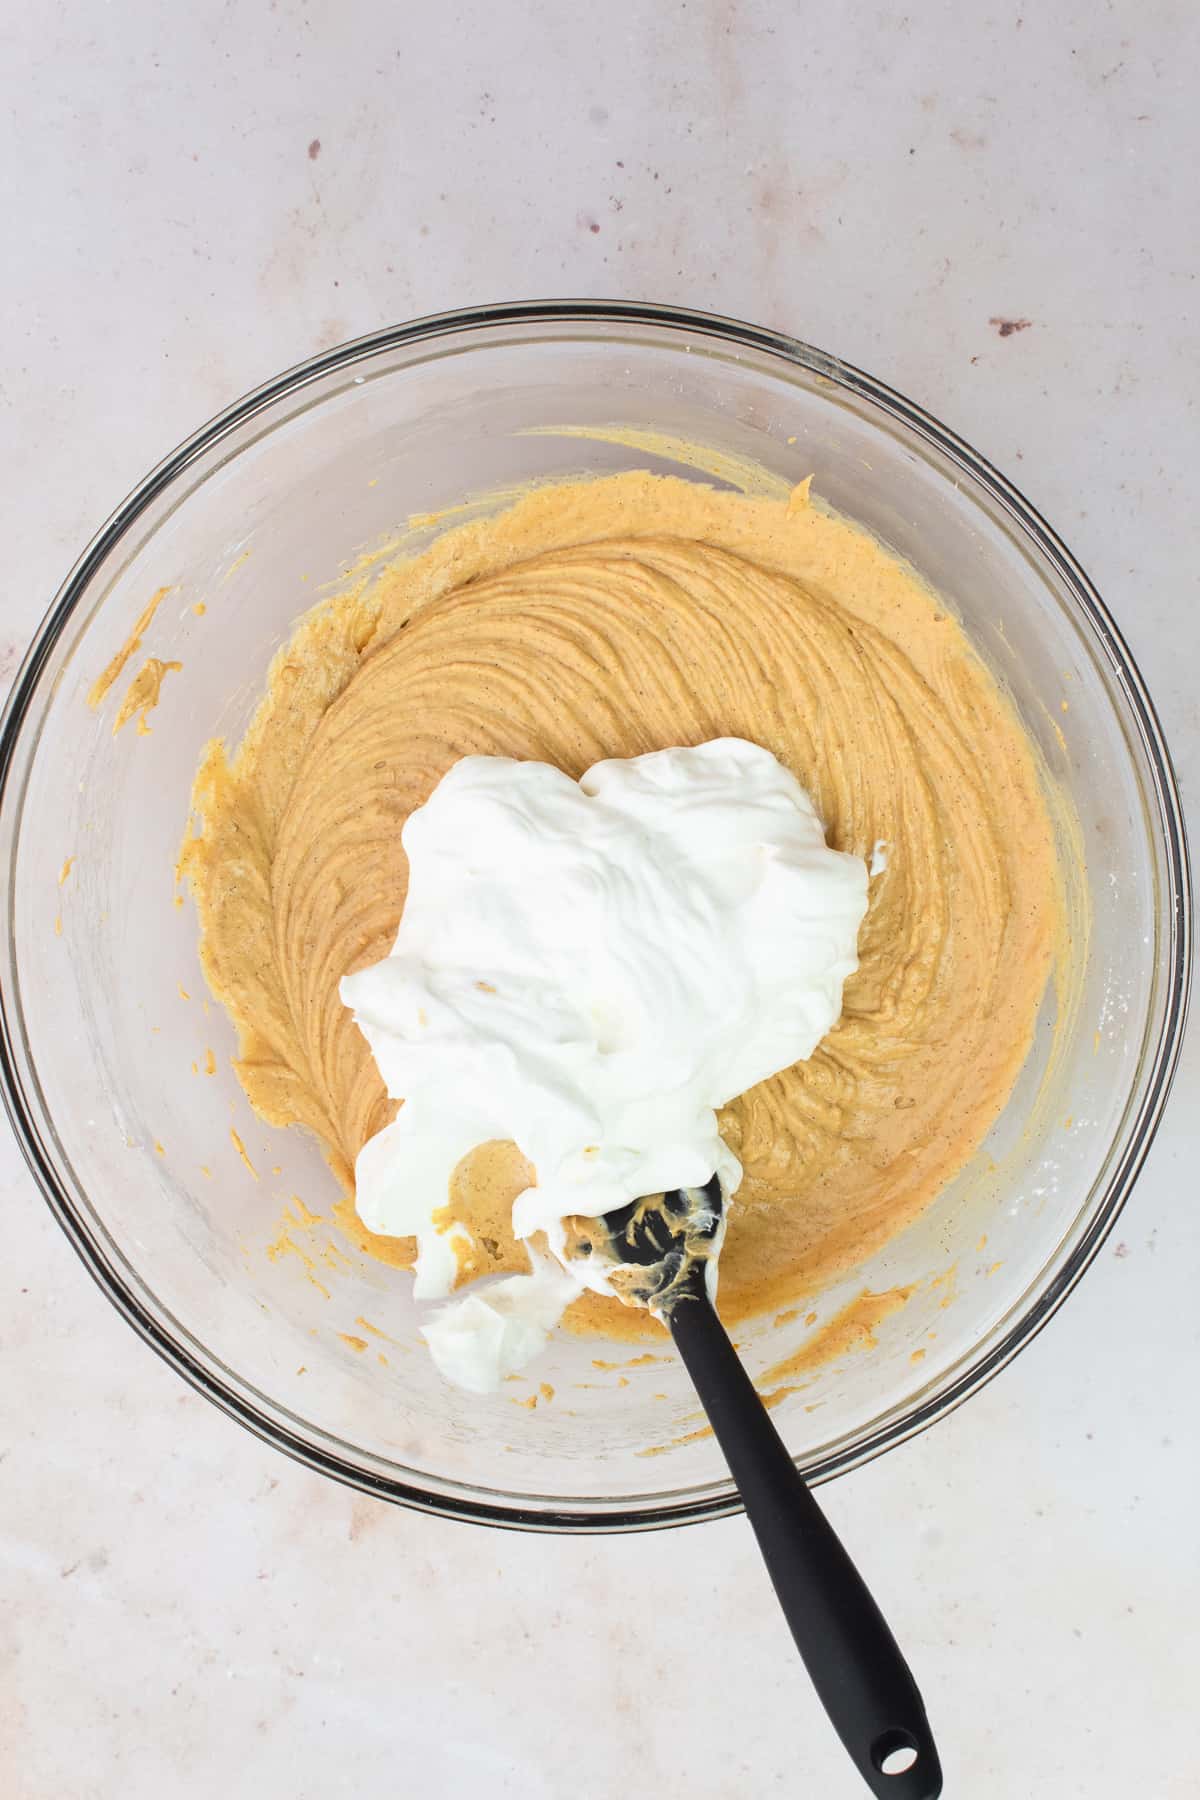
(107, 1035)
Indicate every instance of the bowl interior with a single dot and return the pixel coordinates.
(229, 1258)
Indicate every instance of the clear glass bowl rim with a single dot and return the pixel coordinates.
(1162, 1060)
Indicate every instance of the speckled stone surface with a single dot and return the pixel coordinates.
(195, 197)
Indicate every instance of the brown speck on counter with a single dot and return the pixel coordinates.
(314, 149)
(1121, 1251)
(1006, 327)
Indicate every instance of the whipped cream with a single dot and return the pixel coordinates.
(590, 969)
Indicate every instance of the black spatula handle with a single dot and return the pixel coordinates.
(855, 1663)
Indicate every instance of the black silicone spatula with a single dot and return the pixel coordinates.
(855, 1663)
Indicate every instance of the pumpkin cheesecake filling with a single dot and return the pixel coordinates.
(608, 619)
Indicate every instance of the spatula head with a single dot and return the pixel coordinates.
(665, 1242)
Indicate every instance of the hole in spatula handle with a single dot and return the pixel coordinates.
(894, 1753)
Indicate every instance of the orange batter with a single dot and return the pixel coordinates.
(605, 619)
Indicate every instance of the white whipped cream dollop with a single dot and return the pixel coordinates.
(590, 969)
